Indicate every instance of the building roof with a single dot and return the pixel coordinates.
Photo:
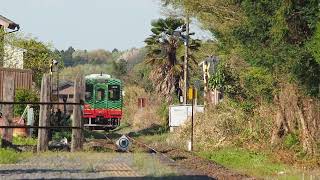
(7, 23)
(63, 84)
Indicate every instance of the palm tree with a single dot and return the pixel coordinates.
(162, 47)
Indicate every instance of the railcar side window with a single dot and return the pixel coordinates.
(114, 92)
(100, 94)
(89, 92)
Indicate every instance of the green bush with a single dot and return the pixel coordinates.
(18, 140)
(57, 136)
(243, 160)
(258, 83)
(24, 95)
(163, 113)
(291, 140)
(8, 156)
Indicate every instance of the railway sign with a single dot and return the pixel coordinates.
(123, 143)
(178, 114)
(191, 94)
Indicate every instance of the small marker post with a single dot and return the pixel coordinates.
(191, 94)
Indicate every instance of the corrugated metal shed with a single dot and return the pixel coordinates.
(23, 78)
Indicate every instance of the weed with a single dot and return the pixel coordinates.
(291, 140)
(90, 168)
(151, 166)
(250, 162)
(9, 156)
(19, 140)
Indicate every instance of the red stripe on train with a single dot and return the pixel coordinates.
(106, 113)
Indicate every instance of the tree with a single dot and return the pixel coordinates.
(66, 56)
(37, 57)
(268, 42)
(98, 56)
(162, 50)
(120, 68)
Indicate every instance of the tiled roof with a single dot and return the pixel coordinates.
(62, 84)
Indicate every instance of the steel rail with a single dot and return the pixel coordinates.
(40, 127)
(41, 103)
(150, 148)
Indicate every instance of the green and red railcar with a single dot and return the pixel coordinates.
(103, 102)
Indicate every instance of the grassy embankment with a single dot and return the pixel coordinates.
(262, 163)
(221, 136)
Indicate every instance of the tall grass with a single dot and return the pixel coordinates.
(151, 166)
(254, 163)
(141, 118)
(19, 140)
(9, 156)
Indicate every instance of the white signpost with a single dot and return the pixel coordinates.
(178, 114)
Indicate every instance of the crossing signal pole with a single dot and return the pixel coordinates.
(185, 75)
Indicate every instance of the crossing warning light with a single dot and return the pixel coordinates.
(190, 93)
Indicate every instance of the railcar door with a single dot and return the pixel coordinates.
(115, 102)
(101, 102)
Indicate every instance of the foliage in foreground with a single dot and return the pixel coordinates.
(8, 156)
(151, 166)
(18, 140)
(23, 95)
(249, 162)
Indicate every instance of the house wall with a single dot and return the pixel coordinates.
(68, 92)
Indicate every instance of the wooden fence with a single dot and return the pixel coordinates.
(44, 115)
(23, 79)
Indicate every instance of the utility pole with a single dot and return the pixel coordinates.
(185, 88)
(2, 32)
(57, 85)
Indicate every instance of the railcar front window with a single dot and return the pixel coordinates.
(89, 92)
(100, 95)
(114, 93)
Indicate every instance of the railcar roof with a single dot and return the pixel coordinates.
(98, 76)
(94, 77)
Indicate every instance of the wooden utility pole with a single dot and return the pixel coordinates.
(185, 75)
(77, 135)
(44, 117)
(8, 96)
(2, 32)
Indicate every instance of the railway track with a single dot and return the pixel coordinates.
(151, 149)
(135, 147)
(138, 147)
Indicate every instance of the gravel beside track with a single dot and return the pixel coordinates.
(71, 165)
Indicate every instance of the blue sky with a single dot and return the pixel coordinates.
(84, 24)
